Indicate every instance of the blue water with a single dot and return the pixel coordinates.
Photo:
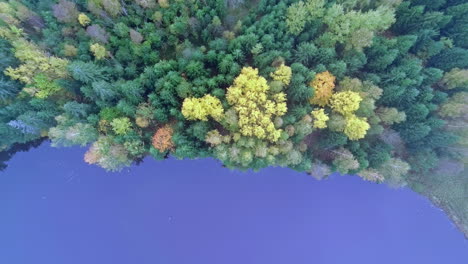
(56, 209)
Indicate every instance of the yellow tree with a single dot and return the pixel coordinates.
(98, 51)
(283, 74)
(345, 102)
(34, 62)
(323, 83)
(200, 108)
(356, 127)
(83, 19)
(320, 118)
(255, 107)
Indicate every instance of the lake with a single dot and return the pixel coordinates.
(56, 209)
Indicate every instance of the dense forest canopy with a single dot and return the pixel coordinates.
(374, 88)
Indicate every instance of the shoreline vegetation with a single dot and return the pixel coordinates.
(372, 88)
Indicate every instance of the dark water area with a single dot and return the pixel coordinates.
(56, 209)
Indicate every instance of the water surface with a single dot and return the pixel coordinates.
(56, 209)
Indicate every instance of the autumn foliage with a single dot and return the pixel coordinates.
(162, 139)
(201, 108)
(255, 106)
(323, 83)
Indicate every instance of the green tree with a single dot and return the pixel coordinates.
(121, 126)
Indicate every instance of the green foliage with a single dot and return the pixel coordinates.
(86, 72)
(44, 87)
(69, 133)
(121, 126)
(35, 62)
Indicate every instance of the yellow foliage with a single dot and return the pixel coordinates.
(157, 16)
(84, 19)
(163, 3)
(6, 8)
(70, 50)
(201, 108)
(214, 137)
(141, 122)
(320, 118)
(254, 106)
(323, 83)
(356, 127)
(282, 74)
(35, 62)
(98, 51)
(345, 102)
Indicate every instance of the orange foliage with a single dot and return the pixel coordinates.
(92, 155)
(324, 83)
(162, 139)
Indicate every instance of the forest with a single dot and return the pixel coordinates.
(372, 88)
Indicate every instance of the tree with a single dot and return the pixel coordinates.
(300, 13)
(146, 3)
(97, 33)
(320, 170)
(101, 90)
(70, 50)
(455, 29)
(412, 132)
(298, 92)
(201, 108)
(323, 85)
(356, 127)
(144, 115)
(43, 87)
(371, 175)
(112, 7)
(320, 118)
(77, 110)
(450, 58)
(214, 138)
(282, 74)
(164, 3)
(390, 115)
(234, 3)
(455, 107)
(108, 154)
(8, 89)
(35, 62)
(68, 134)
(355, 29)
(65, 11)
(136, 37)
(162, 139)
(306, 53)
(336, 122)
(345, 102)
(394, 172)
(86, 72)
(84, 19)
(255, 108)
(344, 161)
(121, 126)
(98, 51)
(455, 78)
